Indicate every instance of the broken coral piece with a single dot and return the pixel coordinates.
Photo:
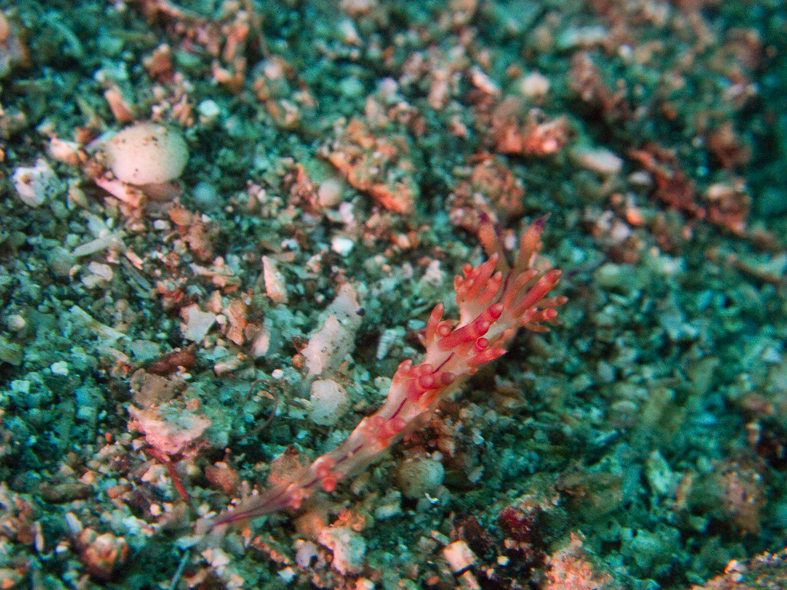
(198, 322)
(380, 166)
(169, 428)
(329, 346)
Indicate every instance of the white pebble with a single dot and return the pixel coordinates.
(147, 153)
(198, 322)
(599, 160)
(208, 111)
(348, 548)
(59, 368)
(329, 192)
(419, 475)
(329, 402)
(37, 184)
(342, 245)
(206, 196)
(535, 85)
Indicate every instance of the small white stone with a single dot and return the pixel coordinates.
(348, 32)
(198, 323)
(342, 245)
(60, 368)
(306, 552)
(348, 548)
(660, 476)
(103, 271)
(216, 558)
(15, 322)
(459, 556)
(275, 286)
(287, 574)
(261, 343)
(535, 85)
(206, 196)
(329, 402)
(37, 184)
(208, 111)
(329, 193)
(599, 160)
(20, 386)
(329, 346)
(483, 82)
(419, 475)
(273, 69)
(73, 523)
(587, 36)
